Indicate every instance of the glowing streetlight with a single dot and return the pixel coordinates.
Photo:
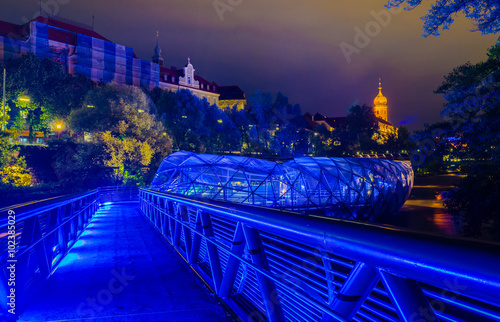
(59, 127)
(24, 99)
(3, 100)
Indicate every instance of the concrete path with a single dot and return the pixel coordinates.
(121, 270)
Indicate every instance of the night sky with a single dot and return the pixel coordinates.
(290, 46)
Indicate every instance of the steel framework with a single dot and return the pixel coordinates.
(352, 188)
(271, 265)
(44, 232)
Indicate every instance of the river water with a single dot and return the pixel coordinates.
(424, 210)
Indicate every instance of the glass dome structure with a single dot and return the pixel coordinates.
(351, 188)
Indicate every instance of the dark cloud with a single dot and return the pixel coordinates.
(290, 46)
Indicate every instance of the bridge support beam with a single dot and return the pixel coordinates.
(213, 253)
(233, 263)
(184, 216)
(195, 248)
(408, 298)
(267, 287)
(354, 291)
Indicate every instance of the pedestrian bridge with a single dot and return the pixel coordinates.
(130, 254)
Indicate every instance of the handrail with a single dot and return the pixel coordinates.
(38, 206)
(400, 265)
(36, 236)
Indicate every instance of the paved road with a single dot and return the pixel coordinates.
(121, 270)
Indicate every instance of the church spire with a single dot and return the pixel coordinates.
(157, 58)
(380, 103)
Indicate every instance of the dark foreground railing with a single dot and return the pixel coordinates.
(35, 237)
(280, 266)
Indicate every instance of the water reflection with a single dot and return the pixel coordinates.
(424, 209)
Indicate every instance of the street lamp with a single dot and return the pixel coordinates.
(59, 126)
(4, 126)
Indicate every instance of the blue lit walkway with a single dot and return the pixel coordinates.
(121, 270)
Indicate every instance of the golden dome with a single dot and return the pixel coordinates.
(380, 99)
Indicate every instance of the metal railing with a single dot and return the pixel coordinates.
(35, 237)
(117, 194)
(270, 265)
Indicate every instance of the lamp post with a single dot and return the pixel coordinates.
(59, 127)
(3, 101)
(25, 100)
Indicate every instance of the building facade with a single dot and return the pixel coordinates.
(380, 109)
(80, 50)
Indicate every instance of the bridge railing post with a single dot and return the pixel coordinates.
(267, 286)
(44, 233)
(408, 298)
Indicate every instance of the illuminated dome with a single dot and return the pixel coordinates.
(380, 99)
(351, 188)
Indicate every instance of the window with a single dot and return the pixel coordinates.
(189, 80)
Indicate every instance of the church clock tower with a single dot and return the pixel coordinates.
(380, 104)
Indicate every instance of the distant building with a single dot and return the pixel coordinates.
(80, 50)
(331, 123)
(380, 109)
(231, 96)
(380, 104)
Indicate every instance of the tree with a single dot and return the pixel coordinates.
(485, 14)
(12, 167)
(359, 131)
(474, 203)
(242, 123)
(222, 132)
(128, 137)
(183, 116)
(260, 111)
(430, 148)
(45, 82)
(472, 93)
(321, 141)
(399, 142)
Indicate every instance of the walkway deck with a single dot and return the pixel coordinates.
(121, 270)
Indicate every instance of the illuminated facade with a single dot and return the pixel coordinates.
(352, 188)
(380, 109)
(80, 50)
(232, 97)
(380, 104)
